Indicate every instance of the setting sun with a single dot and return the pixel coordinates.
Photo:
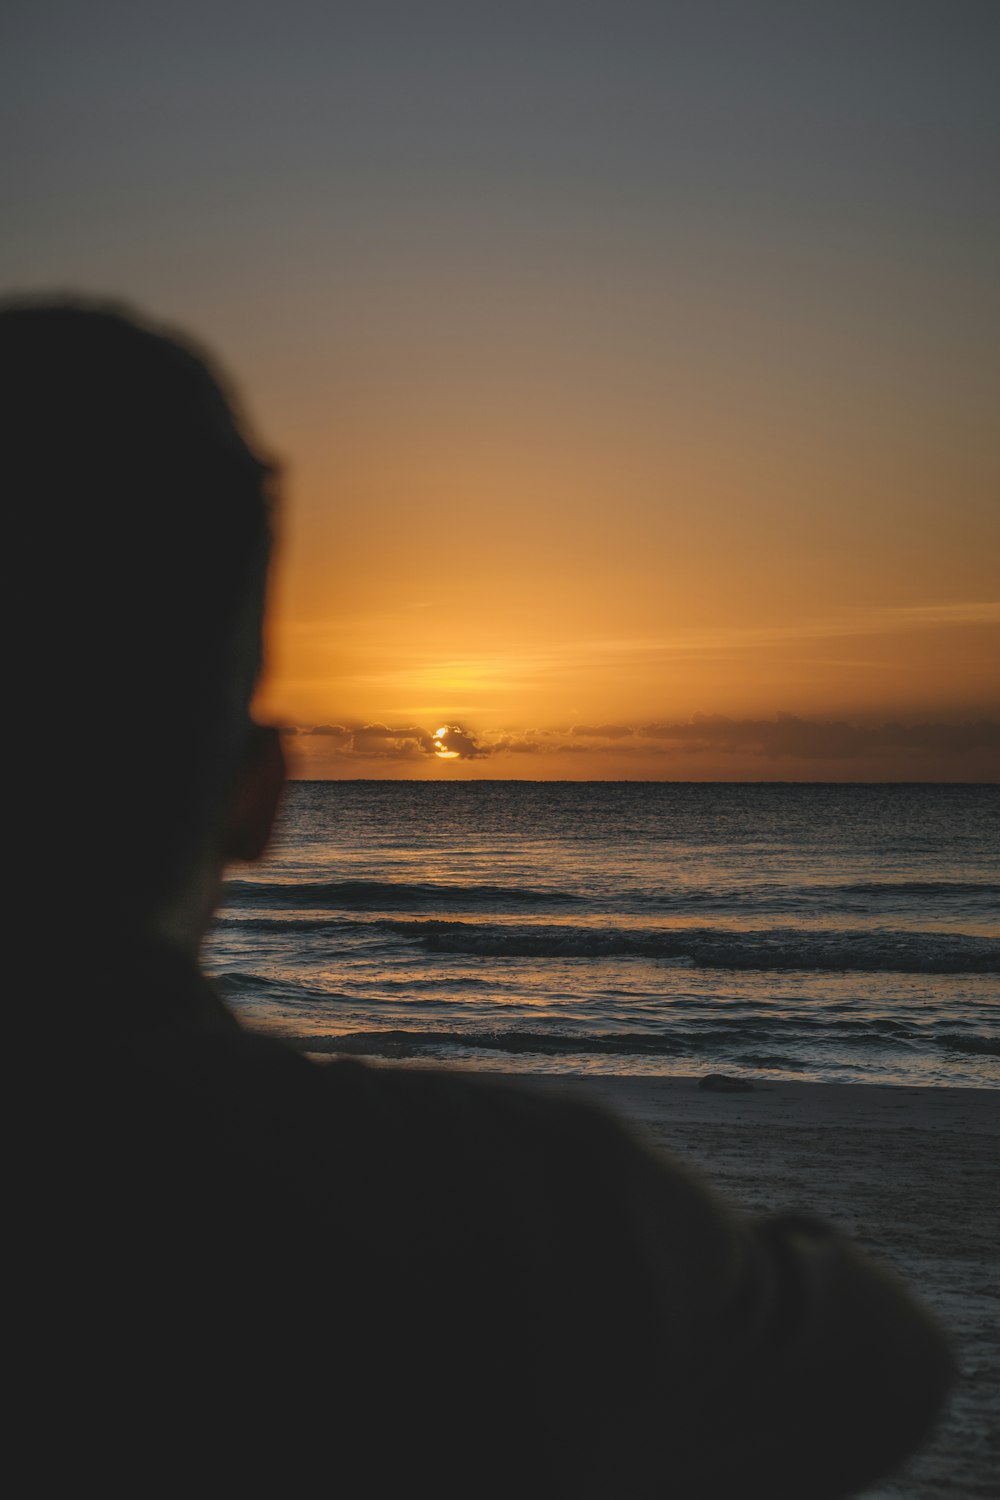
(440, 745)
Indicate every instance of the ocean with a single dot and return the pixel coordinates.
(827, 932)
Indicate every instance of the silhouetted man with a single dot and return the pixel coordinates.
(244, 1273)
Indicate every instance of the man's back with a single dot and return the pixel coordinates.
(248, 1265)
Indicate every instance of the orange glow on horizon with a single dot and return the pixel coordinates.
(541, 551)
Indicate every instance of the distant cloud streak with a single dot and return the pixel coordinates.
(817, 739)
(784, 737)
(602, 731)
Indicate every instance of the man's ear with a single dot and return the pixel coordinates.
(255, 798)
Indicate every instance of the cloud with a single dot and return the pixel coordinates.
(603, 731)
(918, 616)
(398, 741)
(405, 742)
(816, 739)
(785, 737)
(982, 734)
(459, 743)
(847, 624)
(512, 744)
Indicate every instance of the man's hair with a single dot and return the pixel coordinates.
(140, 522)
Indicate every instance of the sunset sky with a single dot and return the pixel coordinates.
(634, 367)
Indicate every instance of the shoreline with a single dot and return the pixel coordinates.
(837, 1102)
(908, 1172)
(397, 1049)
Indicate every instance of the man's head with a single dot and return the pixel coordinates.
(141, 531)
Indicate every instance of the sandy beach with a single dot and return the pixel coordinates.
(910, 1173)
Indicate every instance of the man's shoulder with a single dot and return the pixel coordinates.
(420, 1119)
(446, 1157)
(256, 1071)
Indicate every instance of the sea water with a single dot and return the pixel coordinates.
(806, 931)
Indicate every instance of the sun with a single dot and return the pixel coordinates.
(440, 749)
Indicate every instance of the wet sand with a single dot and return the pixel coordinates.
(912, 1174)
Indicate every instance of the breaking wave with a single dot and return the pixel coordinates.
(554, 1043)
(704, 947)
(386, 895)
